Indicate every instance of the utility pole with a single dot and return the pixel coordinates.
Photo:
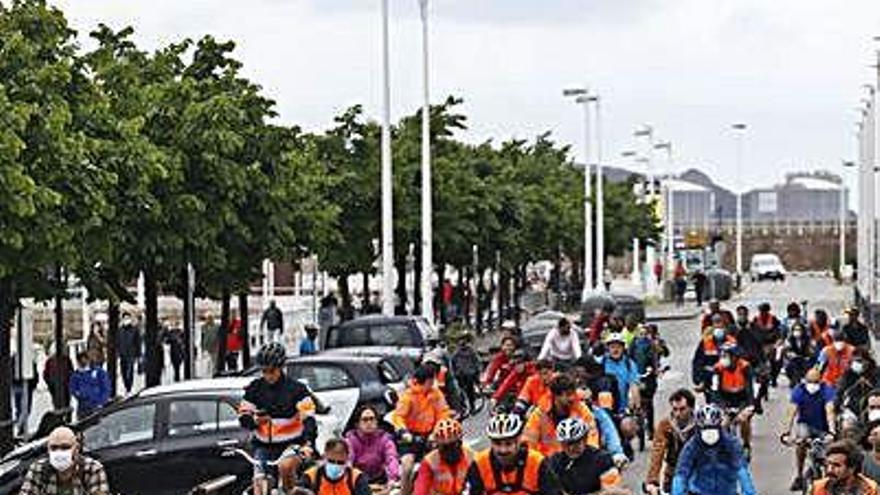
(427, 206)
(387, 187)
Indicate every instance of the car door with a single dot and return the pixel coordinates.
(125, 441)
(336, 388)
(198, 430)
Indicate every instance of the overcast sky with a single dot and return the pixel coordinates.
(790, 69)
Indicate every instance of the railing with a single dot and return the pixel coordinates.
(767, 227)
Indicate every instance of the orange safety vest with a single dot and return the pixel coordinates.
(321, 485)
(534, 390)
(733, 380)
(868, 486)
(448, 480)
(710, 348)
(419, 409)
(540, 431)
(836, 363)
(522, 481)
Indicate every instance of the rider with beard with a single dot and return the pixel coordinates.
(444, 470)
(857, 382)
(581, 468)
(670, 436)
(540, 429)
(508, 466)
(712, 462)
(842, 463)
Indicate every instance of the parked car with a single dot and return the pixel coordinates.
(613, 302)
(378, 334)
(164, 440)
(346, 382)
(766, 266)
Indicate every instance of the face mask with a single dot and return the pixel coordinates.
(797, 334)
(61, 460)
(710, 436)
(812, 388)
(839, 345)
(334, 471)
(451, 454)
(718, 333)
(873, 415)
(126, 321)
(725, 361)
(857, 367)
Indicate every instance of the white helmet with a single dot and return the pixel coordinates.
(571, 430)
(434, 356)
(504, 426)
(615, 337)
(508, 325)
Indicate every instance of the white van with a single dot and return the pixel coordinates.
(766, 266)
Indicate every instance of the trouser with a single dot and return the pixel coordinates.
(232, 361)
(469, 385)
(23, 406)
(127, 368)
(175, 366)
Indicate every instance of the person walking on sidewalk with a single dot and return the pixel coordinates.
(129, 348)
(173, 337)
(90, 384)
(273, 320)
(210, 341)
(56, 373)
(699, 279)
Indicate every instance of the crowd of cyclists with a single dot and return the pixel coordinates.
(565, 421)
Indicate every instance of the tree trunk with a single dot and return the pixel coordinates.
(400, 267)
(439, 298)
(8, 303)
(187, 327)
(152, 344)
(346, 311)
(459, 292)
(245, 334)
(368, 298)
(60, 349)
(518, 277)
(224, 331)
(112, 336)
(479, 301)
(467, 295)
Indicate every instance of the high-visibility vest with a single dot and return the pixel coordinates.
(419, 409)
(321, 485)
(524, 480)
(540, 431)
(711, 348)
(448, 480)
(836, 363)
(733, 380)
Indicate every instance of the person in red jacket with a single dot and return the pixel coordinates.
(500, 365)
(521, 370)
(234, 344)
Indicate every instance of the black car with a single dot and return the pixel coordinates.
(347, 382)
(378, 334)
(162, 441)
(620, 303)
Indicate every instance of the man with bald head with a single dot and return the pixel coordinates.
(65, 471)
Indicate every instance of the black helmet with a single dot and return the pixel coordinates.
(271, 355)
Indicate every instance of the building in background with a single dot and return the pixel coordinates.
(803, 197)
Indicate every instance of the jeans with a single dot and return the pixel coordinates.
(127, 368)
(21, 415)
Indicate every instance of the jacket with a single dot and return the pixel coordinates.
(128, 342)
(834, 363)
(715, 470)
(375, 455)
(705, 357)
(514, 382)
(866, 485)
(91, 387)
(353, 482)
(289, 406)
(561, 347)
(531, 477)
(466, 362)
(534, 390)
(540, 430)
(497, 370)
(419, 409)
(665, 449)
(435, 477)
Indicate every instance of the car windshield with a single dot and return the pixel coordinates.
(379, 334)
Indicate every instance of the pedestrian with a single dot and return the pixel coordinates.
(309, 345)
(56, 373)
(467, 366)
(447, 295)
(129, 348)
(173, 338)
(607, 278)
(209, 341)
(699, 280)
(680, 278)
(327, 312)
(234, 344)
(90, 385)
(97, 342)
(66, 470)
(658, 271)
(20, 387)
(273, 320)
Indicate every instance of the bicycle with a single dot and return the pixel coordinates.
(814, 467)
(267, 478)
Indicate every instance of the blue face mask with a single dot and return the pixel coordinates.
(334, 471)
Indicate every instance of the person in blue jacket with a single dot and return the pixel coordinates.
(712, 462)
(90, 385)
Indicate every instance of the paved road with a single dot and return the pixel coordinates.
(772, 465)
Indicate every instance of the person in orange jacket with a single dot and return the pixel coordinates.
(537, 386)
(419, 409)
(444, 469)
(835, 359)
(540, 430)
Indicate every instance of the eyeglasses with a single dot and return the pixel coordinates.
(338, 463)
(62, 446)
(368, 419)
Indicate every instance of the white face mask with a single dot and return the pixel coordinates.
(61, 460)
(797, 334)
(858, 367)
(710, 436)
(725, 361)
(873, 415)
(839, 345)
(812, 388)
(718, 333)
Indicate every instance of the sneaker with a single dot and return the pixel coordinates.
(759, 409)
(797, 485)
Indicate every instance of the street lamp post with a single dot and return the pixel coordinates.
(387, 190)
(670, 232)
(600, 193)
(740, 134)
(427, 207)
(648, 131)
(846, 164)
(581, 96)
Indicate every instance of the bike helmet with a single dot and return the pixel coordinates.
(504, 426)
(615, 337)
(571, 430)
(434, 356)
(730, 348)
(271, 355)
(447, 431)
(709, 416)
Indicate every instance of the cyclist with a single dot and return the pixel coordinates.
(820, 329)
(500, 364)
(561, 344)
(769, 331)
(715, 309)
(708, 352)
(834, 359)
(632, 328)
(444, 470)
(334, 476)
(732, 389)
(600, 402)
(419, 409)
(712, 462)
(540, 429)
(373, 450)
(628, 400)
(646, 351)
(842, 463)
(812, 404)
(582, 469)
(799, 351)
(871, 464)
(521, 370)
(856, 332)
(537, 386)
(508, 466)
(793, 316)
(857, 382)
(671, 435)
(280, 412)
